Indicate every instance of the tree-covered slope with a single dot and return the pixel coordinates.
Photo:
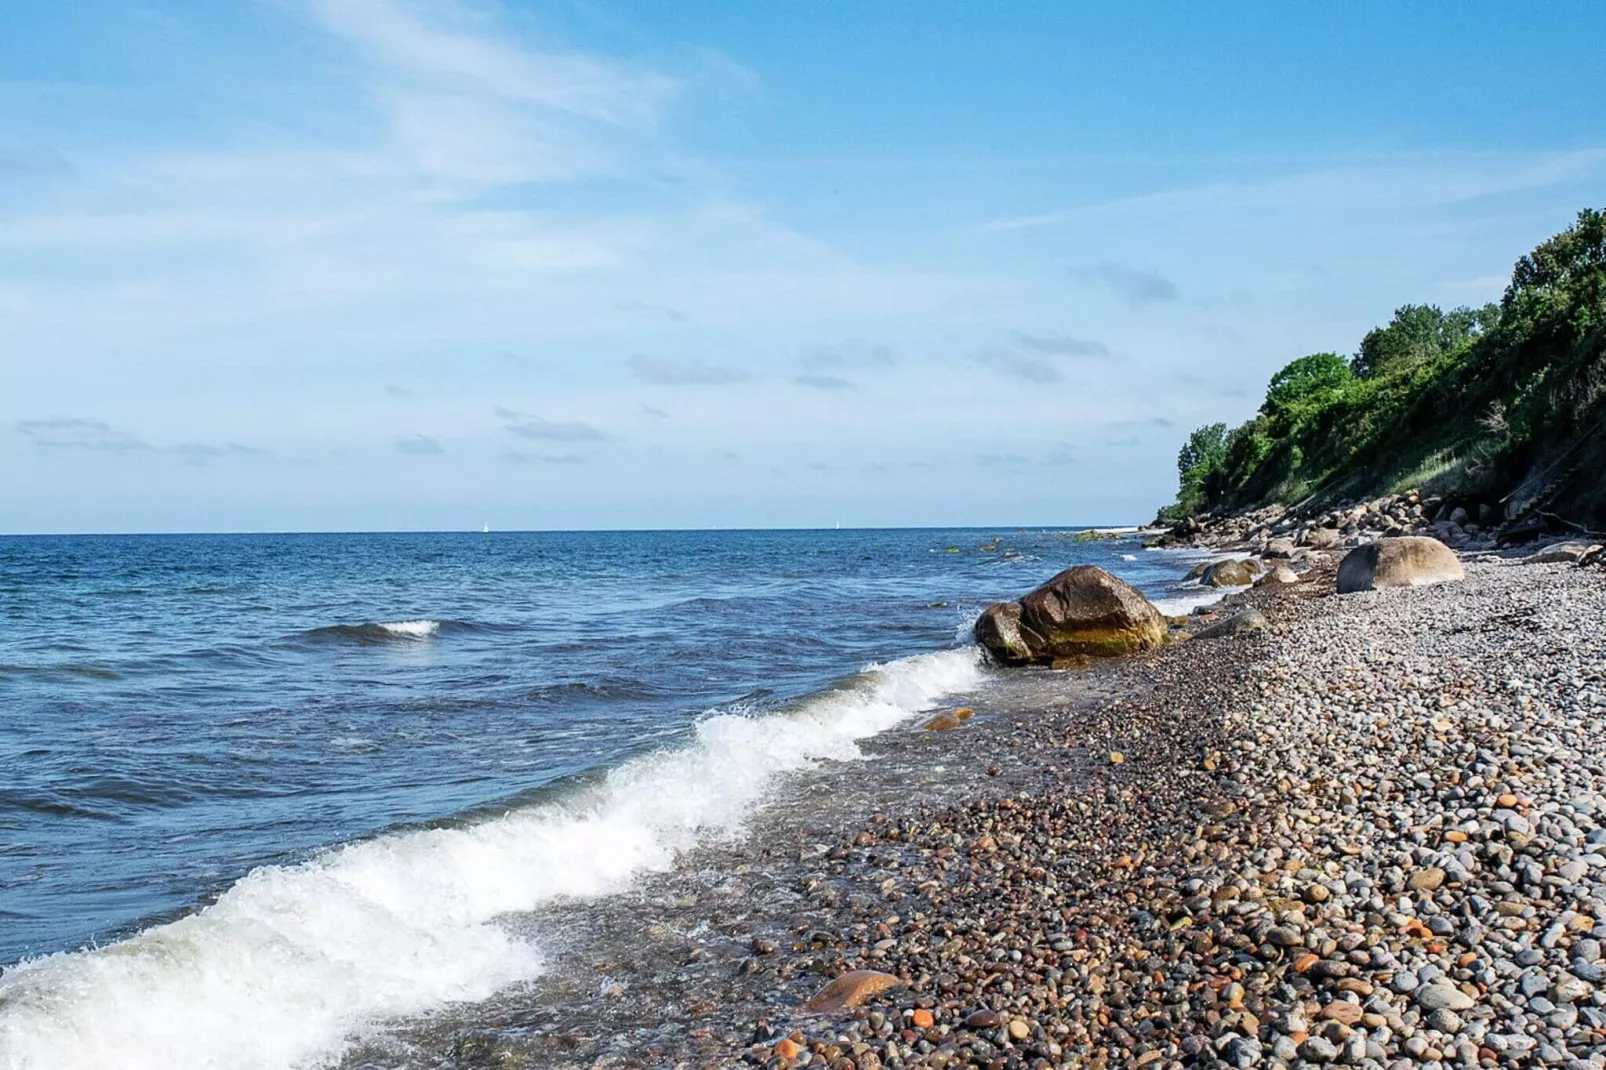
(1498, 405)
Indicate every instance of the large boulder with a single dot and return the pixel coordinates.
(998, 629)
(1407, 561)
(1082, 612)
(1229, 574)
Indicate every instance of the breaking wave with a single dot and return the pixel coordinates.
(393, 631)
(293, 962)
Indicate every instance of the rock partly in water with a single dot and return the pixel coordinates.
(852, 989)
(943, 722)
(999, 630)
(1082, 612)
(1086, 611)
(1407, 561)
(1229, 574)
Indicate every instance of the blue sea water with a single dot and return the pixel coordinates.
(473, 713)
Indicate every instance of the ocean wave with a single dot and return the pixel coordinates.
(292, 962)
(391, 631)
(1184, 600)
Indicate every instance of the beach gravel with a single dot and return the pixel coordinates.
(1371, 833)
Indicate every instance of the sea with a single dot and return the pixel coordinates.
(261, 795)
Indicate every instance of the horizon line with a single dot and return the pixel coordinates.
(562, 531)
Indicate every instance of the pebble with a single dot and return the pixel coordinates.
(1309, 844)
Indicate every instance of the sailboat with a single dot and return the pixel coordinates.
(486, 530)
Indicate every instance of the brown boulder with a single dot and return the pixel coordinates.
(999, 630)
(943, 722)
(852, 989)
(1229, 574)
(1086, 611)
(1283, 548)
(1408, 561)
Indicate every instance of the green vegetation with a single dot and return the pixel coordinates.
(1474, 403)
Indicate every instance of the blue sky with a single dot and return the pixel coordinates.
(378, 264)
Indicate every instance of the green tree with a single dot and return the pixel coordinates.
(1206, 447)
(1418, 334)
(1312, 382)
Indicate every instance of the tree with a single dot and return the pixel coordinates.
(1420, 333)
(1207, 446)
(1311, 382)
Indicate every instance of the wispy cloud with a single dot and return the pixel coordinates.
(465, 103)
(418, 445)
(96, 436)
(666, 372)
(69, 433)
(1018, 365)
(849, 355)
(520, 457)
(529, 425)
(205, 452)
(400, 392)
(1138, 287)
(1062, 345)
(1388, 185)
(655, 412)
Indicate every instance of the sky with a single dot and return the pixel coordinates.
(273, 265)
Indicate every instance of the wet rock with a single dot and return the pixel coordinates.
(1082, 612)
(1229, 574)
(852, 989)
(999, 631)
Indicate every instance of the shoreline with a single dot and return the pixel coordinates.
(1222, 895)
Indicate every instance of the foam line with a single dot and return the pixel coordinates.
(293, 962)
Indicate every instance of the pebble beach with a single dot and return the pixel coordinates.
(1371, 833)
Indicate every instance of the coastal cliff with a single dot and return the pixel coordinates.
(1497, 415)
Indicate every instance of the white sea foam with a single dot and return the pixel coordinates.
(293, 961)
(411, 629)
(1184, 601)
(1129, 557)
